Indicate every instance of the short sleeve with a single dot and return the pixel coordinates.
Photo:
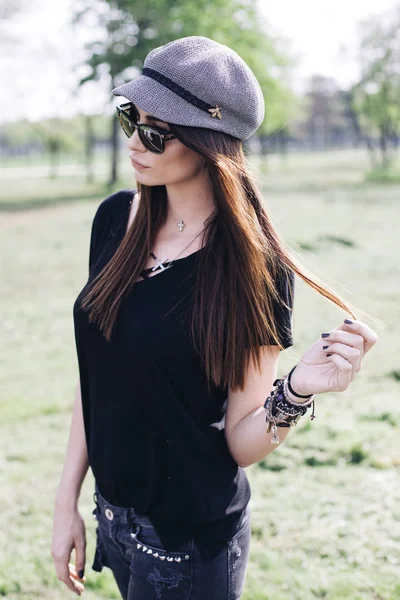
(110, 214)
(97, 232)
(285, 283)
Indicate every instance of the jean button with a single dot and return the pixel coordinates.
(109, 514)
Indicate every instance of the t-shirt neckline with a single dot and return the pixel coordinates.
(177, 260)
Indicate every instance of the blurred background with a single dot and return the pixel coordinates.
(325, 504)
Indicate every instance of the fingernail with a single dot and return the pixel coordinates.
(324, 335)
(325, 347)
(80, 573)
(348, 321)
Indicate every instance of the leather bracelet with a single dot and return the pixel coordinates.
(291, 390)
(282, 411)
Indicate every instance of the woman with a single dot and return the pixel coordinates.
(178, 332)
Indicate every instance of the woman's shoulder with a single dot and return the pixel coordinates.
(108, 220)
(112, 205)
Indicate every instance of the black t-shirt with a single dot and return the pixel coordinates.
(155, 436)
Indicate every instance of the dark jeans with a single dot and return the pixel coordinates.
(143, 569)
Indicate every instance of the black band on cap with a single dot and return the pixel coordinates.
(182, 92)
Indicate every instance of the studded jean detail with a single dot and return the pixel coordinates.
(143, 569)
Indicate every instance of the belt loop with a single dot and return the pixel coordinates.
(131, 513)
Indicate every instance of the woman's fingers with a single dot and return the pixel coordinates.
(349, 353)
(73, 572)
(369, 336)
(77, 585)
(345, 337)
(63, 574)
(80, 554)
(69, 535)
(345, 368)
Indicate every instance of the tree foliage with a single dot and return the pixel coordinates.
(376, 97)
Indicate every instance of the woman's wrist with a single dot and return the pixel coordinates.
(296, 398)
(298, 387)
(67, 496)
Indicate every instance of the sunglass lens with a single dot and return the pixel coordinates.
(133, 113)
(125, 124)
(151, 139)
(149, 136)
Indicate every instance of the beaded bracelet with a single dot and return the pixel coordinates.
(282, 411)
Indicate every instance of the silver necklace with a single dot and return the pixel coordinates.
(160, 264)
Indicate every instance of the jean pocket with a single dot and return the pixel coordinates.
(238, 556)
(100, 559)
(139, 542)
(154, 569)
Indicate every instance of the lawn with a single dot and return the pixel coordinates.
(326, 503)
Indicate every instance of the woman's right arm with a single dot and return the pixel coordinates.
(76, 462)
(69, 528)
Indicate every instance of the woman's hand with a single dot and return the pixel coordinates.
(68, 534)
(334, 368)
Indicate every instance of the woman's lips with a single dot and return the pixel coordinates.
(138, 165)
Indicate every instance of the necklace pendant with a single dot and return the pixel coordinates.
(181, 225)
(160, 264)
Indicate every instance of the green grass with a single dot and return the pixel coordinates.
(326, 503)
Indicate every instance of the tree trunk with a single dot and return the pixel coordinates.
(371, 151)
(89, 147)
(114, 150)
(54, 149)
(384, 148)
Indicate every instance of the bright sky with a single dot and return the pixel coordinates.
(39, 73)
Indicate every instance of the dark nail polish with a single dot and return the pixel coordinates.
(325, 347)
(329, 354)
(348, 321)
(324, 335)
(80, 573)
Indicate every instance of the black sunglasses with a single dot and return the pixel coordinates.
(152, 137)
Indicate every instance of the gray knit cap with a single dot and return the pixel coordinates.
(195, 81)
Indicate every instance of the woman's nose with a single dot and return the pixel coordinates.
(135, 143)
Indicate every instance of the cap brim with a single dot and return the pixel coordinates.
(157, 100)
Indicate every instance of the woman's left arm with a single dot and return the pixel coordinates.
(321, 369)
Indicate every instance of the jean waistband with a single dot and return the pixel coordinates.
(128, 515)
(119, 514)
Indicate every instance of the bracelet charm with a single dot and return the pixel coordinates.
(281, 411)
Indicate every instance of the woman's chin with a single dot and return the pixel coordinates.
(140, 175)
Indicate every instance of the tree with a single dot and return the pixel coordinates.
(376, 96)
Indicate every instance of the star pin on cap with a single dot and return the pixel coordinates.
(215, 112)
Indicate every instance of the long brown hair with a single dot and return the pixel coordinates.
(230, 314)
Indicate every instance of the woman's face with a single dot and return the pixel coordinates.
(177, 163)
